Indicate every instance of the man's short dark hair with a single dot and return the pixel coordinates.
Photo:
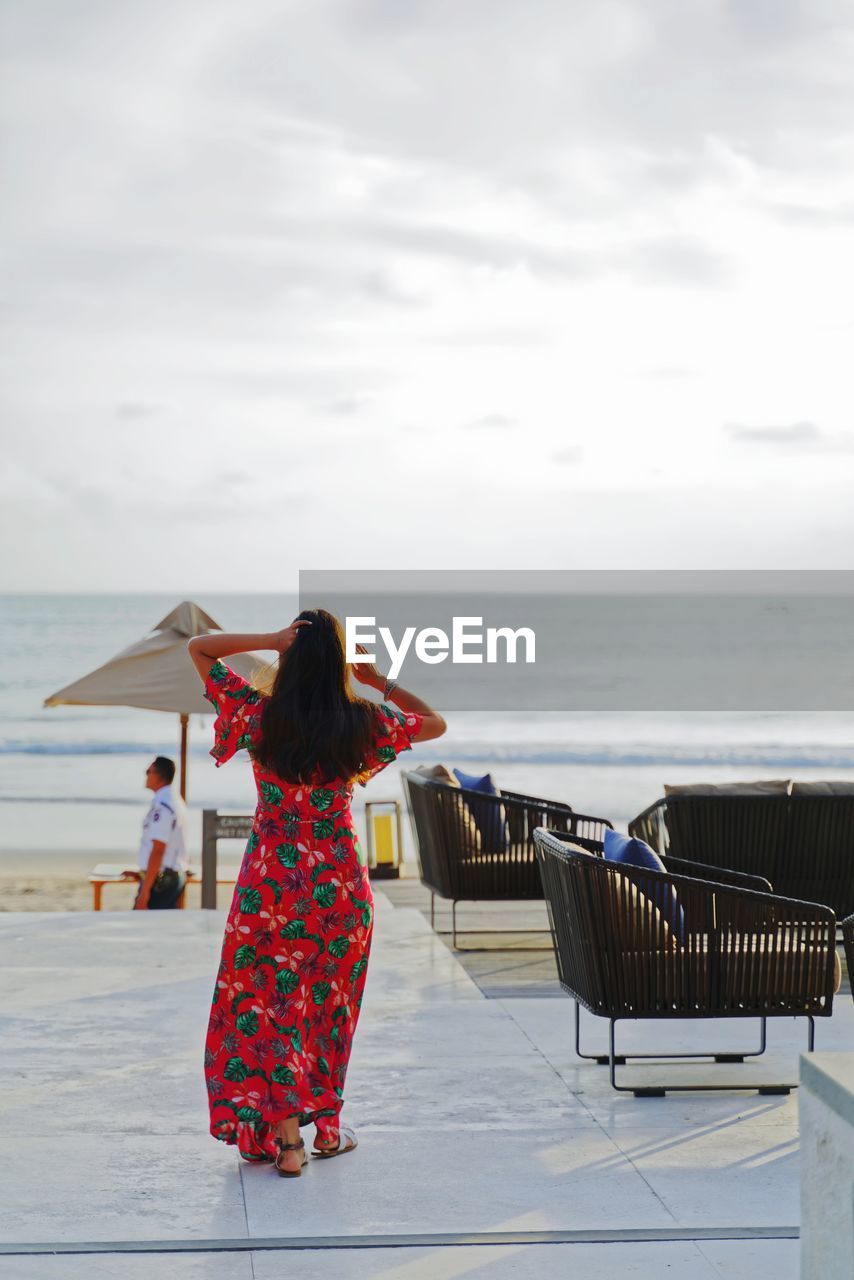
(165, 768)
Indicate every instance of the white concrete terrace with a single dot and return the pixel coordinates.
(486, 1147)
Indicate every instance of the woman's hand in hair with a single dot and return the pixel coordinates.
(432, 724)
(366, 672)
(282, 640)
(213, 645)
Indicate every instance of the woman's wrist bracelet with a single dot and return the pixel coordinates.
(390, 686)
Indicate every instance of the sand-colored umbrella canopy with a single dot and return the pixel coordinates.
(156, 674)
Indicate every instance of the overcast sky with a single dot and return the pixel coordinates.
(432, 283)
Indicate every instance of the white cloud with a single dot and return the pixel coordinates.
(266, 260)
(569, 456)
(491, 422)
(801, 437)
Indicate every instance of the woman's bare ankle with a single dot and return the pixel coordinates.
(287, 1132)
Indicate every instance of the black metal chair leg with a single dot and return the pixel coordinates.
(659, 1091)
(621, 1059)
(612, 1063)
(811, 1034)
(452, 932)
(602, 1059)
(754, 1053)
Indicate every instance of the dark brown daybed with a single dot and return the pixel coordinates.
(797, 835)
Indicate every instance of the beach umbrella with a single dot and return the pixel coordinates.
(156, 674)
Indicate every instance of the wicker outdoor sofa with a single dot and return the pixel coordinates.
(475, 848)
(799, 836)
(690, 942)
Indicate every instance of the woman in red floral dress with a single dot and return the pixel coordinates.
(295, 953)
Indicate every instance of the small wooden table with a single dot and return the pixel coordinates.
(116, 873)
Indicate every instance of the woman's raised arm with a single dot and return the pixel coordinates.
(204, 650)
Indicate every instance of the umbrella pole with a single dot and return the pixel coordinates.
(185, 720)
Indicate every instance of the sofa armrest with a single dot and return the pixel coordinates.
(721, 875)
(651, 827)
(590, 827)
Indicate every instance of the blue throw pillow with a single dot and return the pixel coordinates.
(489, 818)
(636, 853)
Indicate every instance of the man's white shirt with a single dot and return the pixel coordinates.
(164, 821)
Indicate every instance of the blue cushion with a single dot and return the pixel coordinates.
(620, 848)
(489, 818)
(636, 853)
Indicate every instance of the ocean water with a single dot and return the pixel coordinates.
(71, 778)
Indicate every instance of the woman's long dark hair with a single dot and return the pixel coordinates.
(312, 720)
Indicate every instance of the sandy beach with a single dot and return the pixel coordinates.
(60, 882)
(74, 893)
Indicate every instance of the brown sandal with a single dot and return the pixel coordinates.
(290, 1146)
(346, 1142)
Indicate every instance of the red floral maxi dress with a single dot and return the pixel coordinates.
(295, 952)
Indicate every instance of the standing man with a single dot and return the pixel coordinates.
(162, 857)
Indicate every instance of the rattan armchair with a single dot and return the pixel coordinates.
(735, 951)
(477, 848)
